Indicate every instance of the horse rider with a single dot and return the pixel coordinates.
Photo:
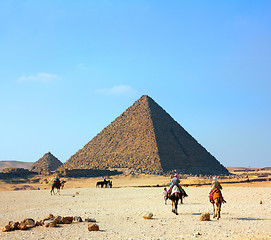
(216, 185)
(176, 181)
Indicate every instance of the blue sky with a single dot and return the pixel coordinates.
(69, 68)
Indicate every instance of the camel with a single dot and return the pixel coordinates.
(57, 185)
(216, 199)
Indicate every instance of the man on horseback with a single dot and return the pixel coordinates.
(175, 181)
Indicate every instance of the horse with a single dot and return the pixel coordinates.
(57, 185)
(105, 183)
(174, 197)
(216, 199)
(100, 183)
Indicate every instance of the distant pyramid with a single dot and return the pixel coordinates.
(47, 163)
(145, 136)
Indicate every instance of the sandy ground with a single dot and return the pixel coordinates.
(119, 211)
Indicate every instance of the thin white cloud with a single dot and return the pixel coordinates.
(40, 77)
(118, 90)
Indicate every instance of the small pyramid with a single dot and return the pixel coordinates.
(145, 136)
(47, 163)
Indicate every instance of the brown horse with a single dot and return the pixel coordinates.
(174, 197)
(216, 199)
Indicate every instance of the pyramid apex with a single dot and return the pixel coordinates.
(144, 98)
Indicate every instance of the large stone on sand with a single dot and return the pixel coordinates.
(6, 228)
(14, 225)
(49, 223)
(93, 227)
(22, 226)
(148, 215)
(204, 217)
(66, 220)
(29, 222)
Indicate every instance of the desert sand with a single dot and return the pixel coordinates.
(119, 211)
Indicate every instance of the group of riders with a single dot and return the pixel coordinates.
(106, 183)
(175, 181)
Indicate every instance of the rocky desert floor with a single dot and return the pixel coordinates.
(119, 211)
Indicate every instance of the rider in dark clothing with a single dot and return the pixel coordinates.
(56, 182)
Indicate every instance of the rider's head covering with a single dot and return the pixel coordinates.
(214, 178)
(175, 175)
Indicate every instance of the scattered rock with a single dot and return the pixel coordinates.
(204, 217)
(6, 228)
(50, 217)
(58, 219)
(22, 226)
(197, 234)
(77, 219)
(66, 220)
(93, 227)
(148, 215)
(49, 223)
(39, 223)
(29, 222)
(90, 220)
(14, 225)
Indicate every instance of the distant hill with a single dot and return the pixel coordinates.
(244, 169)
(15, 164)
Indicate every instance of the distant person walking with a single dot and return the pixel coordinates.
(165, 195)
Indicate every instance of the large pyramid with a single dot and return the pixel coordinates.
(46, 163)
(145, 136)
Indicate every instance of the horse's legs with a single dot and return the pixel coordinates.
(172, 204)
(176, 206)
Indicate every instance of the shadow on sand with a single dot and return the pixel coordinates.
(251, 219)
